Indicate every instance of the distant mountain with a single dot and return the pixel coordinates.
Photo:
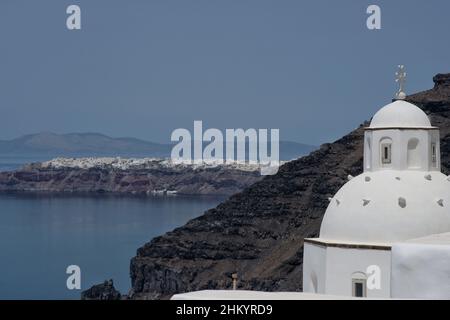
(81, 144)
(51, 145)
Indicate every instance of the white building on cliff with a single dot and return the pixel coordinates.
(384, 233)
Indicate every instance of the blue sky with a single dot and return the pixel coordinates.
(144, 68)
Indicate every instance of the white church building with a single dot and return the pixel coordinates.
(385, 233)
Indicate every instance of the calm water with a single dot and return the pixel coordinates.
(40, 235)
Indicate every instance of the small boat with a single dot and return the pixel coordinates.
(159, 192)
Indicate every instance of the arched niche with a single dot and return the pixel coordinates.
(413, 154)
(313, 282)
(368, 155)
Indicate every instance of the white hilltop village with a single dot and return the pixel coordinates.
(117, 163)
(386, 232)
(147, 163)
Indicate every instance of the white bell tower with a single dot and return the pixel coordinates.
(401, 137)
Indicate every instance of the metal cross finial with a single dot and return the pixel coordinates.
(400, 78)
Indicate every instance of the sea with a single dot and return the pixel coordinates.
(41, 235)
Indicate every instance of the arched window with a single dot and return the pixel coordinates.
(359, 284)
(433, 155)
(368, 155)
(413, 155)
(386, 151)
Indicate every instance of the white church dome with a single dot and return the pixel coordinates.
(388, 206)
(400, 114)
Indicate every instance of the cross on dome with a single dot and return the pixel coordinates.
(400, 78)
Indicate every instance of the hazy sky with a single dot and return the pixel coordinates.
(143, 68)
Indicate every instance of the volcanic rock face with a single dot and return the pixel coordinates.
(106, 175)
(259, 232)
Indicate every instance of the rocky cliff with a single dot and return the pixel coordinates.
(104, 291)
(129, 176)
(259, 232)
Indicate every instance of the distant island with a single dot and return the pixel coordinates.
(140, 176)
(96, 163)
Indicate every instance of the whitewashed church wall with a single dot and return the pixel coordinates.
(342, 263)
(314, 267)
